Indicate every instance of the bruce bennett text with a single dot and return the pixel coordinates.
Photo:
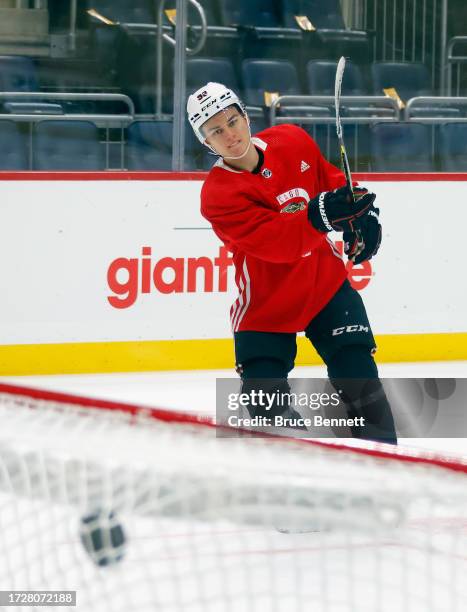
(282, 421)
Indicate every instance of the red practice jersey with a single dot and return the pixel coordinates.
(286, 271)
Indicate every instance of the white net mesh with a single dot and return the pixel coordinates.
(219, 524)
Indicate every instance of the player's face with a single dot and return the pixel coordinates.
(227, 132)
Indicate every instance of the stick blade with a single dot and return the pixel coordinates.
(339, 74)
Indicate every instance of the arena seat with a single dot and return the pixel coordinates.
(274, 76)
(258, 15)
(200, 70)
(17, 74)
(321, 76)
(136, 11)
(401, 147)
(326, 17)
(67, 145)
(260, 75)
(111, 46)
(452, 147)
(149, 146)
(261, 29)
(410, 79)
(14, 146)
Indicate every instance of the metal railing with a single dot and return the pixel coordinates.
(452, 61)
(71, 97)
(432, 102)
(433, 121)
(366, 103)
(101, 120)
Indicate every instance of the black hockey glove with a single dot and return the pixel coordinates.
(370, 233)
(338, 210)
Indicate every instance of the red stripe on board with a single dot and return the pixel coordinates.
(201, 176)
(179, 417)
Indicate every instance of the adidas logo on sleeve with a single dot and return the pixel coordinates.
(304, 166)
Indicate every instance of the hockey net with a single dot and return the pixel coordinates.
(148, 510)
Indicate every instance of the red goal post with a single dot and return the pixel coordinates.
(139, 508)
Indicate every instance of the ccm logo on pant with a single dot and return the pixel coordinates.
(349, 329)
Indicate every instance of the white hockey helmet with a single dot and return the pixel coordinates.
(206, 102)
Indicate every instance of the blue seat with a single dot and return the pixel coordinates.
(251, 13)
(401, 147)
(149, 146)
(326, 16)
(452, 148)
(274, 76)
(323, 15)
(321, 76)
(262, 16)
(410, 79)
(17, 74)
(14, 146)
(110, 46)
(136, 11)
(67, 145)
(200, 70)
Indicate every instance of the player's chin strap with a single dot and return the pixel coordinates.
(214, 152)
(243, 154)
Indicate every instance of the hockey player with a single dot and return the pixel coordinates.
(272, 199)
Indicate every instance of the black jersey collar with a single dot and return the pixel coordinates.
(257, 168)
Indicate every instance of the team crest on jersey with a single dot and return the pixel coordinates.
(266, 173)
(294, 207)
(297, 193)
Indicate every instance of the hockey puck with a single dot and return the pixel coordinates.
(103, 537)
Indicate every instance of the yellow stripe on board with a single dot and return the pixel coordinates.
(104, 357)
